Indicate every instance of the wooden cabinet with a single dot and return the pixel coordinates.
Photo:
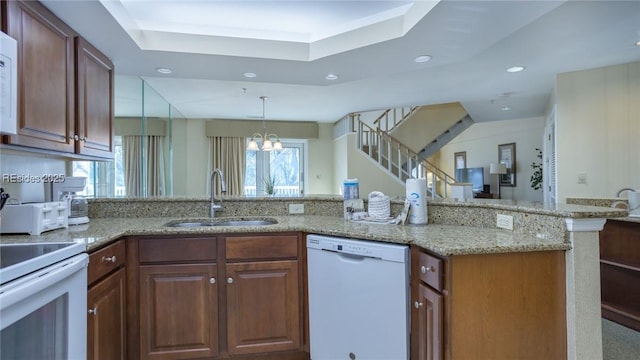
(427, 326)
(217, 297)
(180, 314)
(46, 77)
(263, 294)
(106, 301)
(489, 306)
(65, 86)
(178, 308)
(94, 114)
(620, 272)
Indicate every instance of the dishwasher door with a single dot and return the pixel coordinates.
(358, 299)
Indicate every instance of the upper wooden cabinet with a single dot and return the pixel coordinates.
(65, 86)
(94, 116)
(46, 77)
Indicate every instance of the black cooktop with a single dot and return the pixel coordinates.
(17, 260)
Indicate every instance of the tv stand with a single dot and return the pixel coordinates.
(481, 195)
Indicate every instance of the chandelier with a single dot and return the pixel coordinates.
(269, 141)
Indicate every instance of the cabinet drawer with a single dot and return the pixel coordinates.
(105, 260)
(262, 247)
(177, 250)
(430, 270)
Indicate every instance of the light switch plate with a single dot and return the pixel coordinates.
(296, 208)
(504, 221)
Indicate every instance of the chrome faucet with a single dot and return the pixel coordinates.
(223, 189)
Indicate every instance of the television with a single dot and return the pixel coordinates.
(474, 176)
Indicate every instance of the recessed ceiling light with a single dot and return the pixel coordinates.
(164, 70)
(638, 43)
(505, 108)
(515, 69)
(422, 58)
(331, 77)
(249, 75)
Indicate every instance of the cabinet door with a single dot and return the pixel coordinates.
(94, 102)
(178, 311)
(106, 321)
(263, 307)
(46, 73)
(430, 322)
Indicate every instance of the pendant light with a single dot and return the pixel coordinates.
(269, 141)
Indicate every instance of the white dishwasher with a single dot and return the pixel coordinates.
(358, 299)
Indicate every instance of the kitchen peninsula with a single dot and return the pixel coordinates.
(462, 234)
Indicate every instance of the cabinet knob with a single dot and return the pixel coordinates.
(426, 269)
(109, 259)
(94, 311)
(229, 280)
(418, 304)
(212, 280)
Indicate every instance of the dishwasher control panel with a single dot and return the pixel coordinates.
(372, 249)
(353, 249)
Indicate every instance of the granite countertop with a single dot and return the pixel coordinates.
(445, 240)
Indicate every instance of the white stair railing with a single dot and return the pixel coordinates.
(399, 160)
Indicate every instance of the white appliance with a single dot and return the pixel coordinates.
(77, 206)
(43, 299)
(8, 84)
(358, 299)
(34, 219)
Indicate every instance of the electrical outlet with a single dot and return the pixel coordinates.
(504, 221)
(296, 208)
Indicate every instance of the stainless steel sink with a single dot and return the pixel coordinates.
(221, 222)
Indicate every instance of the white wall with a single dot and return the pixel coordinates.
(598, 130)
(481, 140)
(16, 163)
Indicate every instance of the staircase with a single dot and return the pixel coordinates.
(400, 161)
(399, 141)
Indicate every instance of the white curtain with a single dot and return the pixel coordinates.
(143, 164)
(229, 154)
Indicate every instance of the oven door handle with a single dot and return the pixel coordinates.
(29, 285)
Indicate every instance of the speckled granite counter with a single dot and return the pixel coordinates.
(443, 239)
(455, 227)
(604, 202)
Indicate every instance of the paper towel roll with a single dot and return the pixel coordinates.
(417, 195)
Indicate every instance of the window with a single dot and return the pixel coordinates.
(104, 178)
(279, 173)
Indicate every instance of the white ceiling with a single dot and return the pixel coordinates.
(292, 45)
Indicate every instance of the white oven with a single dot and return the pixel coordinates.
(43, 301)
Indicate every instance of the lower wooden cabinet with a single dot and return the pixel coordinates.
(620, 272)
(429, 325)
(106, 302)
(263, 307)
(217, 297)
(488, 306)
(179, 312)
(428, 307)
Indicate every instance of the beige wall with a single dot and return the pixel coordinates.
(598, 130)
(340, 162)
(353, 164)
(481, 140)
(190, 156)
(320, 162)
